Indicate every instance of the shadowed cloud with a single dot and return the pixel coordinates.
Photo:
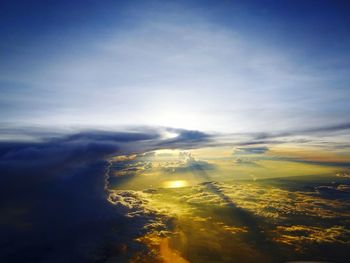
(54, 191)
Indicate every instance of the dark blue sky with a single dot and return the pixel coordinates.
(314, 25)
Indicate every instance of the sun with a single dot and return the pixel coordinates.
(176, 184)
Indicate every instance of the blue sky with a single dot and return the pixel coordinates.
(232, 66)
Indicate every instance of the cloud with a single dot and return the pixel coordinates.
(326, 163)
(250, 150)
(186, 139)
(345, 174)
(55, 195)
(64, 181)
(297, 136)
(302, 235)
(272, 203)
(246, 162)
(334, 191)
(187, 163)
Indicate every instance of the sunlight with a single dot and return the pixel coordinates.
(169, 135)
(176, 184)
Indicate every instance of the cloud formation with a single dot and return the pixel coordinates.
(53, 191)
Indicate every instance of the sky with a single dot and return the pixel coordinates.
(224, 66)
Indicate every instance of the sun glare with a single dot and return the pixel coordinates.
(170, 135)
(175, 184)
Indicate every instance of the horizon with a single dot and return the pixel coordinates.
(174, 131)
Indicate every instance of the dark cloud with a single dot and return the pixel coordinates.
(331, 128)
(325, 163)
(262, 138)
(254, 141)
(339, 164)
(194, 166)
(334, 190)
(113, 136)
(185, 139)
(251, 150)
(314, 130)
(246, 162)
(54, 198)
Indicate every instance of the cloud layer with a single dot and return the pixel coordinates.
(53, 192)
